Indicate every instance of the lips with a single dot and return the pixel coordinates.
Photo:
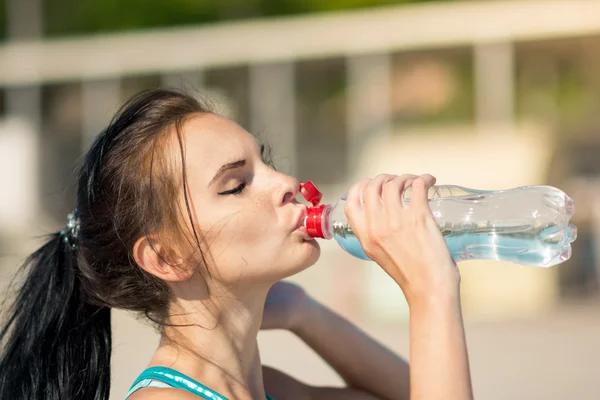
(300, 219)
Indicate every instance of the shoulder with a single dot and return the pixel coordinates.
(151, 393)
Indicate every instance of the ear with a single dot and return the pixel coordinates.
(155, 259)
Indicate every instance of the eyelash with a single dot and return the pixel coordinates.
(240, 188)
(237, 191)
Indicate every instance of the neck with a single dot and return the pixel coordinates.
(215, 337)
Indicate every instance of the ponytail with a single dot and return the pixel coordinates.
(55, 345)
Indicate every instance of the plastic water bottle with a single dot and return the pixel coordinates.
(527, 225)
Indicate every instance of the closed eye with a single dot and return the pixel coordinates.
(265, 153)
(237, 190)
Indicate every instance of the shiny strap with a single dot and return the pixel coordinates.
(174, 379)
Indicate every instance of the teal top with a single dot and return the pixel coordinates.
(164, 377)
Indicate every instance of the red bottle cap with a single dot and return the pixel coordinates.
(314, 221)
(310, 192)
(315, 215)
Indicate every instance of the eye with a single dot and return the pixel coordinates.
(236, 190)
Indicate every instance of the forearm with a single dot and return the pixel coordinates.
(439, 360)
(362, 362)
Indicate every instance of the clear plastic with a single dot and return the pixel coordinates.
(527, 225)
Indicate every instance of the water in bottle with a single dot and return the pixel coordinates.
(529, 225)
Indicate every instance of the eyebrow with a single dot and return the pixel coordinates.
(233, 165)
(227, 167)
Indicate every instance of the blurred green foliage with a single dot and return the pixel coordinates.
(67, 17)
(566, 91)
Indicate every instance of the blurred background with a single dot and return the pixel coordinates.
(483, 94)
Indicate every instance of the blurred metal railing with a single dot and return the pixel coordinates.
(377, 30)
(490, 27)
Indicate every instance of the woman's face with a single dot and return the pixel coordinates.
(250, 222)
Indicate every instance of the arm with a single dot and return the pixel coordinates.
(363, 363)
(405, 241)
(281, 386)
(370, 370)
(438, 349)
(366, 366)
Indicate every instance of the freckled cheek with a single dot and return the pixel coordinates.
(263, 213)
(246, 229)
(255, 224)
(249, 226)
(263, 203)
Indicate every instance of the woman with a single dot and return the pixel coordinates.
(179, 217)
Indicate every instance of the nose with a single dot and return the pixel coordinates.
(287, 189)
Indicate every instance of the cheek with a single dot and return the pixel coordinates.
(243, 232)
(256, 224)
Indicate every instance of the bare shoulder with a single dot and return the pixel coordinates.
(150, 393)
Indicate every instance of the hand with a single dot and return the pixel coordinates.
(284, 306)
(403, 239)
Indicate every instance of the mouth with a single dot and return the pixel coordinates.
(300, 219)
(300, 224)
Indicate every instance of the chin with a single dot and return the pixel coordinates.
(309, 255)
(291, 260)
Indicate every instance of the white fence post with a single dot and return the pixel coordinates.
(494, 84)
(273, 111)
(99, 101)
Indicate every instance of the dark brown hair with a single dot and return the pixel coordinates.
(56, 340)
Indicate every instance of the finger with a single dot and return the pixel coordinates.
(393, 192)
(392, 198)
(355, 194)
(373, 193)
(420, 191)
(429, 179)
(407, 183)
(353, 208)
